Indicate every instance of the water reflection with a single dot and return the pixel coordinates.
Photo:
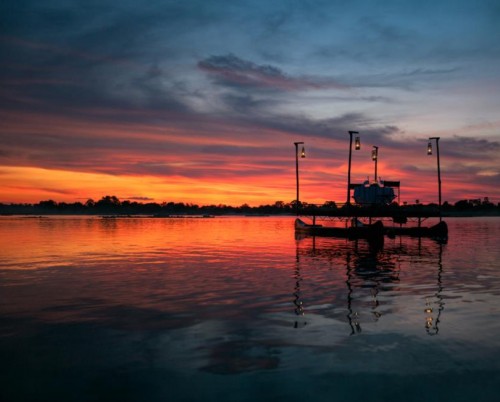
(299, 309)
(431, 321)
(179, 309)
(373, 277)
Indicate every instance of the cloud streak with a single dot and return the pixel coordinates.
(232, 71)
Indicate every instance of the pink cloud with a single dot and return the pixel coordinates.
(233, 71)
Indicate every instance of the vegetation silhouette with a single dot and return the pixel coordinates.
(111, 205)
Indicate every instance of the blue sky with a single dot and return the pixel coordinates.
(111, 88)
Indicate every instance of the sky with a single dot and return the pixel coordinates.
(201, 101)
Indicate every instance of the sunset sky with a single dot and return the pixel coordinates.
(201, 101)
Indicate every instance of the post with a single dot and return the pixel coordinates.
(375, 158)
(439, 177)
(348, 201)
(438, 171)
(297, 176)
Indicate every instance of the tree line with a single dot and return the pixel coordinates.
(111, 205)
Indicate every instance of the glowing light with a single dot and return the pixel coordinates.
(357, 144)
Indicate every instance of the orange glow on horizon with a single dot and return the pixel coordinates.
(31, 185)
(70, 159)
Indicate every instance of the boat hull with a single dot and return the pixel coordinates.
(375, 231)
(372, 232)
(439, 230)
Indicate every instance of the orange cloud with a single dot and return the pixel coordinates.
(69, 158)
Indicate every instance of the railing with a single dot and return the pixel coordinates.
(371, 210)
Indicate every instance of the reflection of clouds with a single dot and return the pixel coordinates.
(216, 347)
(210, 297)
(241, 356)
(211, 345)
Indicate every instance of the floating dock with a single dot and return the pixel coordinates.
(367, 221)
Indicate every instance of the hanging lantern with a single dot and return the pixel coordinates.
(374, 154)
(357, 144)
(429, 148)
(303, 153)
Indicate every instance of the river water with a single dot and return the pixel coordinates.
(239, 309)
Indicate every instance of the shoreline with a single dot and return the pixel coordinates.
(110, 215)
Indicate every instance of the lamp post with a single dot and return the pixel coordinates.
(375, 159)
(429, 152)
(356, 147)
(302, 155)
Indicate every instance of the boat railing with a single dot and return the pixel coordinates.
(394, 211)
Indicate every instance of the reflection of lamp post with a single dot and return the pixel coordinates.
(429, 152)
(356, 147)
(432, 327)
(375, 159)
(299, 309)
(302, 155)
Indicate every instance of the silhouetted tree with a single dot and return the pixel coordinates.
(330, 205)
(49, 205)
(463, 205)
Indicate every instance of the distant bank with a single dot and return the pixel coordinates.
(111, 205)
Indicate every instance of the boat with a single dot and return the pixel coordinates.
(437, 231)
(357, 230)
(375, 193)
(373, 199)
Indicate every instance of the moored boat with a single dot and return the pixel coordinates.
(439, 230)
(357, 231)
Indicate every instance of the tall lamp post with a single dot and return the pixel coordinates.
(429, 152)
(302, 155)
(357, 146)
(375, 159)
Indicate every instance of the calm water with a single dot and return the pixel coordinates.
(237, 309)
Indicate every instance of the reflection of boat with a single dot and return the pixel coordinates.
(358, 231)
(373, 279)
(374, 193)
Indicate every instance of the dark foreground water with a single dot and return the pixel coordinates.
(237, 309)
